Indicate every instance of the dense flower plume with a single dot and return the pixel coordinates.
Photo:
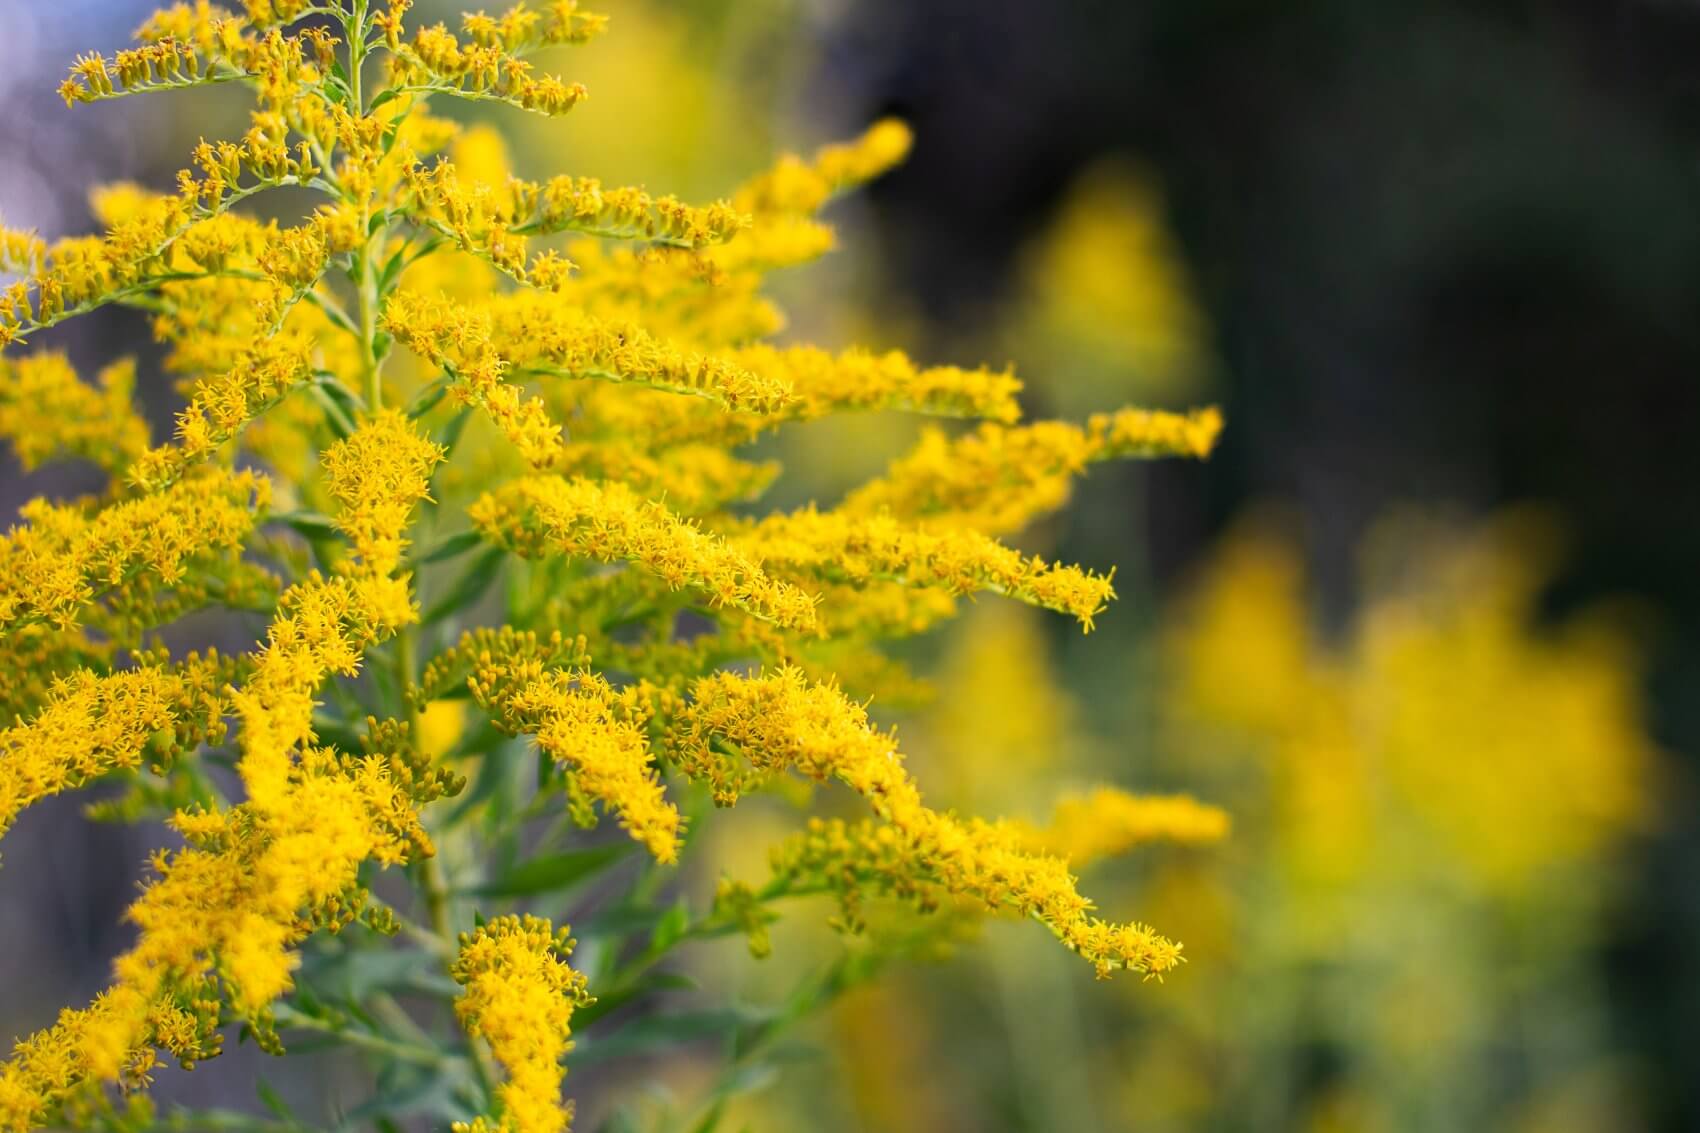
(520, 996)
(444, 398)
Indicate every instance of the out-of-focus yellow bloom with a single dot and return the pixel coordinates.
(1108, 821)
(796, 186)
(1000, 704)
(46, 412)
(1431, 802)
(1105, 285)
(1515, 751)
(1242, 639)
(1553, 765)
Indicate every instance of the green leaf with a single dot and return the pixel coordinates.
(466, 590)
(658, 1032)
(412, 1091)
(336, 732)
(450, 436)
(451, 547)
(492, 771)
(351, 402)
(620, 1121)
(620, 920)
(391, 271)
(311, 524)
(748, 1078)
(607, 1002)
(555, 872)
(335, 415)
(356, 974)
(428, 398)
(272, 1100)
(670, 929)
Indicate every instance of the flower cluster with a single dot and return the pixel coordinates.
(520, 995)
(65, 555)
(782, 722)
(853, 860)
(47, 413)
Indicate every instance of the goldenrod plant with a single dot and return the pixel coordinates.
(475, 446)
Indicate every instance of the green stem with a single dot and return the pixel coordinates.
(370, 364)
(434, 889)
(357, 54)
(437, 909)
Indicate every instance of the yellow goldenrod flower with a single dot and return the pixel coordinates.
(546, 514)
(92, 725)
(520, 996)
(707, 299)
(232, 902)
(323, 625)
(221, 407)
(63, 556)
(379, 474)
(773, 242)
(527, 333)
(34, 659)
(597, 736)
(77, 275)
(435, 61)
(695, 479)
(856, 549)
(780, 722)
(224, 912)
(21, 252)
(876, 610)
(856, 379)
(493, 220)
(998, 479)
(544, 338)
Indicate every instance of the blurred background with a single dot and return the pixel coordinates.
(1428, 624)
